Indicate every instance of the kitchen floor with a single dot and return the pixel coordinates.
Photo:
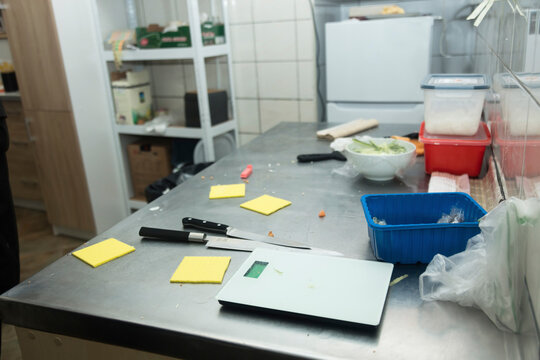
(39, 247)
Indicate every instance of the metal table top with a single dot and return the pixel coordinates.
(130, 302)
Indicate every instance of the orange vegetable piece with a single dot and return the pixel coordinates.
(419, 145)
(322, 214)
(271, 234)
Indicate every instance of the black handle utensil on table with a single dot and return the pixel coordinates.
(335, 155)
(205, 225)
(209, 226)
(171, 235)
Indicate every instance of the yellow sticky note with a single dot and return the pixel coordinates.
(265, 204)
(102, 252)
(227, 191)
(201, 269)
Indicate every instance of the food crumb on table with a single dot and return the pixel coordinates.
(271, 234)
(322, 214)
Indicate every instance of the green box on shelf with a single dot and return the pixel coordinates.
(148, 38)
(220, 33)
(155, 39)
(213, 34)
(178, 38)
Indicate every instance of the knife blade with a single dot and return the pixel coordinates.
(220, 228)
(250, 245)
(221, 242)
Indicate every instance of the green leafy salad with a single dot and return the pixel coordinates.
(370, 148)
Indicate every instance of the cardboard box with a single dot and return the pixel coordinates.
(152, 37)
(212, 34)
(149, 161)
(219, 110)
(132, 98)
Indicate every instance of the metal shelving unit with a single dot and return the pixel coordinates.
(197, 53)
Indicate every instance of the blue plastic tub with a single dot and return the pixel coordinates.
(412, 233)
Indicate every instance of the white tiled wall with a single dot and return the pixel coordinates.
(273, 50)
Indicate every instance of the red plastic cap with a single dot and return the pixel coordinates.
(246, 172)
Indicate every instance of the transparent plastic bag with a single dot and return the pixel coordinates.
(348, 169)
(456, 216)
(161, 122)
(489, 274)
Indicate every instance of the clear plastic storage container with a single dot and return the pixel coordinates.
(453, 103)
(518, 156)
(520, 114)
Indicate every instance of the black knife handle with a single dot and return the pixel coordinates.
(204, 225)
(314, 157)
(164, 234)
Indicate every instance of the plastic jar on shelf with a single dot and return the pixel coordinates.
(519, 112)
(453, 103)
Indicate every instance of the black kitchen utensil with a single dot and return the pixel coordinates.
(335, 155)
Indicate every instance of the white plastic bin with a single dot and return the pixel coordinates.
(520, 114)
(453, 103)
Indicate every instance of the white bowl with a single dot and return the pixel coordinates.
(381, 167)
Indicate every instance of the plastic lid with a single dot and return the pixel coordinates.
(481, 138)
(455, 82)
(531, 80)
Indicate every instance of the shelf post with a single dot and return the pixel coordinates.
(200, 79)
(225, 9)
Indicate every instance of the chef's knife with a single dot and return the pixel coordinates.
(221, 242)
(335, 155)
(219, 228)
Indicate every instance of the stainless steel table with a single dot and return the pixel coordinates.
(130, 302)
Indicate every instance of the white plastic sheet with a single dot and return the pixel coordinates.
(490, 273)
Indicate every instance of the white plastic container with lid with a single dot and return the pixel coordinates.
(520, 114)
(453, 103)
(133, 98)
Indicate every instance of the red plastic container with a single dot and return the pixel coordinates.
(455, 154)
(513, 150)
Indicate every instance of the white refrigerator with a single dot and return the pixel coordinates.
(374, 68)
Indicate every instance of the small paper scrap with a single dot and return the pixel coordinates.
(227, 191)
(102, 252)
(265, 204)
(443, 182)
(201, 269)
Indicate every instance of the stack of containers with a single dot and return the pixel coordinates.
(517, 132)
(454, 138)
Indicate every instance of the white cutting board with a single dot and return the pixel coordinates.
(328, 287)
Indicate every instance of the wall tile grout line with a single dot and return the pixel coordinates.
(275, 99)
(270, 21)
(256, 69)
(297, 63)
(271, 61)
